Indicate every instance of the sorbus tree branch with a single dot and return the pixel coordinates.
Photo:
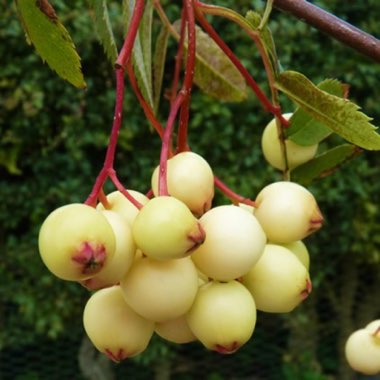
(333, 26)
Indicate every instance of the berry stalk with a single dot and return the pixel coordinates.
(182, 144)
(274, 109)
(234, 197)
(121, 62)
(144, 105)
(162, 175)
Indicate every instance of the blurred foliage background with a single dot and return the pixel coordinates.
(52, 144)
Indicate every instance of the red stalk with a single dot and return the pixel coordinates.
(126, 50)
(122, 189)
(123, 58)
(178, 58)
(145, 106)
(162, 174)
(235, 198)
(110, 154)
(182, 144)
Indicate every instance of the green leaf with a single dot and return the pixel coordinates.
(214, 72)
(304, 129)
(159, 65)
(340, 115)
(51, 40)
(145, 34)
(141, 53)
(104, 28)
(324, 164)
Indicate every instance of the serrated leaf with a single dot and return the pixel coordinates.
(145, 34)
(214, 72)
(141, 53)
(340, 115)
(51, 40)
(159, 65)
(304, 129)
(103, 26)
(254, 19)
(324, 164)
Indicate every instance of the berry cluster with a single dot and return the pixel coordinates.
(179, 267)
(363, 349)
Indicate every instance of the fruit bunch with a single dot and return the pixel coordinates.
(178, 267)
(363, 349)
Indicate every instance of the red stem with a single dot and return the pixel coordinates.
(103, 199)
(178, 58)
(110, 155)
(122, 189)
(235, 198)
(275, 110)
(162, 174)
(126, 50)
(182, 144)
(145, 106)
(121, 61)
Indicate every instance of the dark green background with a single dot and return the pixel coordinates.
(52, 144)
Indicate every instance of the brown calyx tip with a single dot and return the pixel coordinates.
(316, 221)
(91, 284)
(227, 349)
(197, 238)
(116, 357)
(90, 256)
(376, 334)
(309, 287)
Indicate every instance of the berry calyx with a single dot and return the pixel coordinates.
(116, 268)
(76, 241)
(287, 212)
(278, 282)
(166, 229)
(223, 316)
(113, 327)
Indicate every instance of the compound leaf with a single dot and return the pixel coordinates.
(159, 64)
(340, 115)
(214, 72)
(254, 19)
(141, 53)
(103, 26)
(304, 129)
(50, 39)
